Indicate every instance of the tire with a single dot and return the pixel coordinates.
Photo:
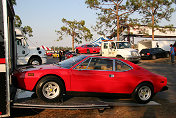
(153, 57)
(143, 93)
(35, 61)
(50, 89)
(77, 51)
(88, 51)
(119, 57)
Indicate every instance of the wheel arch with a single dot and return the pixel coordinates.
(35, 56)
(119, 56)
(34, 89)
(144, 82)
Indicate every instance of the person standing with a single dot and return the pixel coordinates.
(172, 53)
(60, 56)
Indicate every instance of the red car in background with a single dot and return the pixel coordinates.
(49, 53)
(88, 48)
(69, 55)
(92, 75)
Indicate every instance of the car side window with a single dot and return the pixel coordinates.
(121, 66)
(101, 64)
(19, 42)
(83, 65)
(89, 45)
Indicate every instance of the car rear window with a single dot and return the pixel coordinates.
(145, 51)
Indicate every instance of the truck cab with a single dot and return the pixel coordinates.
(27, 54)
(119, 49)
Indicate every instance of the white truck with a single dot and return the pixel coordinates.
(119, 49)
(27, 54)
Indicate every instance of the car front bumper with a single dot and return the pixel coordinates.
(164, 88)
(133, 58)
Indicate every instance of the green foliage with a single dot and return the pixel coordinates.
(18, 21)
(162, 9)
(153, 11)
(60, 48)
(75, 29)
(13, 2)
(113, 13)
(26, 29)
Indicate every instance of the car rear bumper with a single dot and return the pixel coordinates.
(164, 88)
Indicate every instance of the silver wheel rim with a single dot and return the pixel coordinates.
(51, 90)
(35, 62)
(144, 93)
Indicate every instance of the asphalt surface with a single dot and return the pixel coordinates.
(164, 105)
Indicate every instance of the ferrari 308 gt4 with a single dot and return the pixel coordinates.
(90, 74)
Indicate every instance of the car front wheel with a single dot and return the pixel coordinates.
(143, 93)
(50, 89)
(35, 61)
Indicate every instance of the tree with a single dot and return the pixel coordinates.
(155, 10)
(26, 29)
(18, 21)
(13, 2)
(113, 10)
(76, 29)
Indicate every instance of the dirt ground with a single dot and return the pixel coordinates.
(162, 111)
(165, 110)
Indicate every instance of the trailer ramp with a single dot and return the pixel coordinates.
(29, 100)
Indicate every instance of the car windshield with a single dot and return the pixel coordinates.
(68, 63)
(121, 45)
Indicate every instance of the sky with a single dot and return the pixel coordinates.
(44, 16)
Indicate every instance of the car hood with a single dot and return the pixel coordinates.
(39, 67)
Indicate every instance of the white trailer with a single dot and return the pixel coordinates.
(164, 44)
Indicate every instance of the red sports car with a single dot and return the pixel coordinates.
(90, 74)
(88, 49)
(49, 53)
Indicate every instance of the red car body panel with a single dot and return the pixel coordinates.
(92, 80)
(49, 54)
(84, 48)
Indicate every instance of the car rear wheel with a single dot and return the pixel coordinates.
(143, 93)
(50, 89)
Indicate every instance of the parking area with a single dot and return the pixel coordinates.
(162, 105)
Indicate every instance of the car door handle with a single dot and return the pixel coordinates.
(111, 75)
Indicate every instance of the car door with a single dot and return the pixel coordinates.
(105, 49)
(96, 75)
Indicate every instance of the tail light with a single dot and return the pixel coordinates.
(148, 53)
